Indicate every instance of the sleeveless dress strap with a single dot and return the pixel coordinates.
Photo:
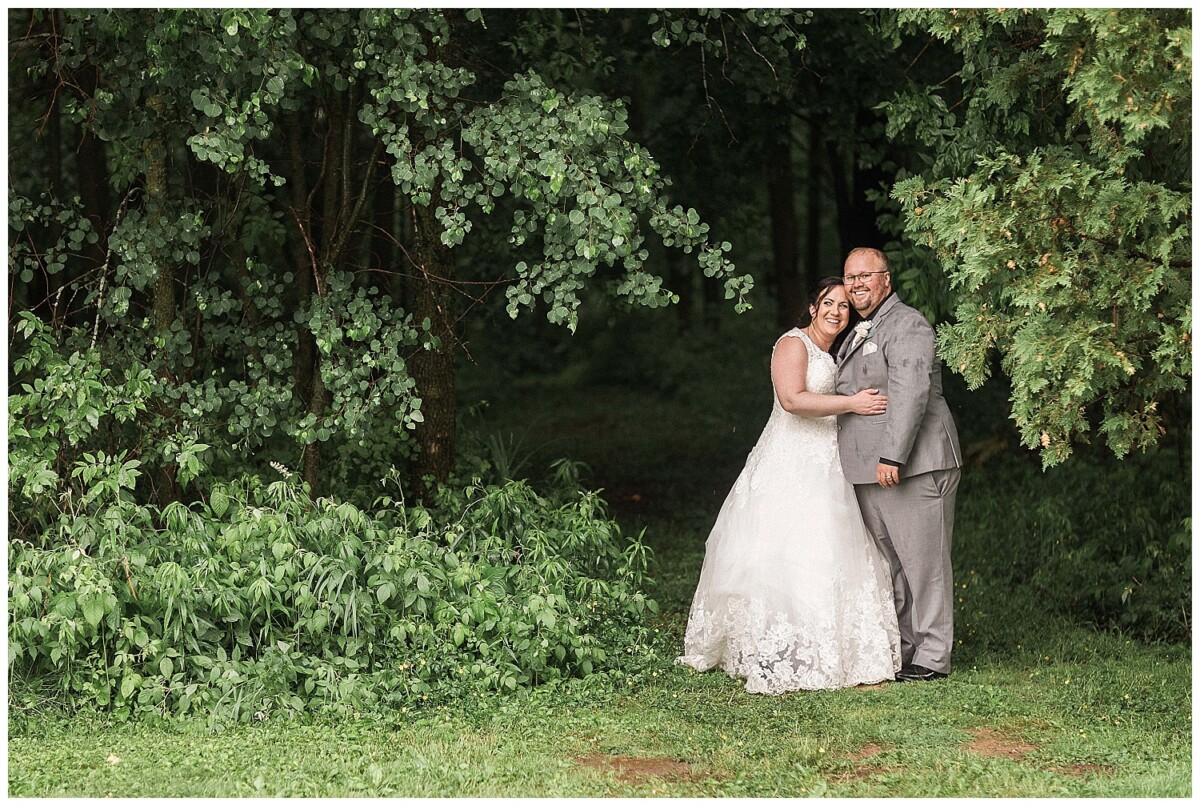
(794, 333)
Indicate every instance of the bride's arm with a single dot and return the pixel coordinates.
(789, 369)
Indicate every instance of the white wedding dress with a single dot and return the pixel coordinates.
(793, 593)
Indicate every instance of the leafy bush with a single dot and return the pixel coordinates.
(256, 597)
(64, 427)
(262, 600)
(1105, 540)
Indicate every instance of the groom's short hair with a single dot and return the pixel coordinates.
(878, 254)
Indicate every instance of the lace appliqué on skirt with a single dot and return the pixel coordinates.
(844, 643)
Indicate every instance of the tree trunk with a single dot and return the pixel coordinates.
(379, 246)
(682, 282)
(303, 258)
(857, 216)
(813, 271)
(155, 150)
(781, 204)
(318, 401)
(864, 217)
(163, 307)
(841, 197)
(334, 199)
(53, 135)
(432, 368)
(91, 165)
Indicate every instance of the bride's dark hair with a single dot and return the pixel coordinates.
(819, 293)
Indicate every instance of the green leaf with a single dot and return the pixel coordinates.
(93, 609)
(129, 684)
(219, 502)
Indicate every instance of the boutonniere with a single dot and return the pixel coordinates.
(863, 329)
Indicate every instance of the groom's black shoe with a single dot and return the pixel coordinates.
(914, 673)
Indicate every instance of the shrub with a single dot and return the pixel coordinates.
(1105, 540)
(263, 600)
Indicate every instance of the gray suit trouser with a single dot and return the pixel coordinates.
(913, 524)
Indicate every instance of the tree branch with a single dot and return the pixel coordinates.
(348, 227)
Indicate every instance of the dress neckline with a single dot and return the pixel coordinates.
(808, 340)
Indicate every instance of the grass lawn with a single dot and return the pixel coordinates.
(1037, 706)
(1053, 728)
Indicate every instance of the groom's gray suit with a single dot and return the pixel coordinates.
(912, 523)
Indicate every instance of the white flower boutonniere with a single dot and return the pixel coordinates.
(862, 329)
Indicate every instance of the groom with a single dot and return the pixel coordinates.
(904, 464)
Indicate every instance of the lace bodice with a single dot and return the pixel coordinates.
(822, 371)
(795, 438)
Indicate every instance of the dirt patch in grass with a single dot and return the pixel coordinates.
(865, 752)
(993, 744)
(630, 769)
(861, 771)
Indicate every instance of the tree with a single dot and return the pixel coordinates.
(736, 76)
(793, 94)
(251, 148)
(1058, 202)
(286, 216)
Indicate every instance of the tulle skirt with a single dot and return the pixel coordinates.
(793, 593)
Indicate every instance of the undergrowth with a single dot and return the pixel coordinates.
(248, 599)
(1105, 542)
(261, 600)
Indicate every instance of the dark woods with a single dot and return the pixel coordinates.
(265, 209)
(283, 223)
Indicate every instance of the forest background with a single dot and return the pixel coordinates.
(300, 301)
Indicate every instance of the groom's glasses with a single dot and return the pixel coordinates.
(850, 279)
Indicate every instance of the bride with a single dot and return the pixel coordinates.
(793, 593)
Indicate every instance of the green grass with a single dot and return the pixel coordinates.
(1094, 720)
(1037, 705)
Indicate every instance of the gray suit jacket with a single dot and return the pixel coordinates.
(898, 359)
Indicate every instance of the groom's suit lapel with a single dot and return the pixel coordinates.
(876, 321)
